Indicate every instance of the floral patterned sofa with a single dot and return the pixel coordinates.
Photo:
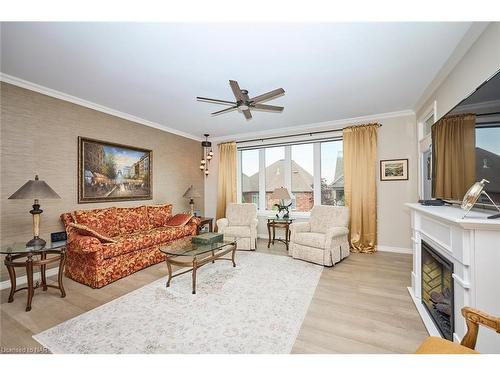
(120, 241)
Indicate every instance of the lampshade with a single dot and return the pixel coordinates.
(281, 193)
(35, 189)
(191, 192)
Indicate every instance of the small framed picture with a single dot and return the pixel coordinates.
(394, 170)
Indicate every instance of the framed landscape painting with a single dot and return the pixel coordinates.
(394, 170)
(112, 172)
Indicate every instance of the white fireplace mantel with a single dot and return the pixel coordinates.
(472, 244)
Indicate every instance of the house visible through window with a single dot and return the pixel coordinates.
(296, 167)
(332, 174)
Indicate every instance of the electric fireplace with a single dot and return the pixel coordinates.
(437, 289)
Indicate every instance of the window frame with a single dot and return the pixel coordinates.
(261, 207)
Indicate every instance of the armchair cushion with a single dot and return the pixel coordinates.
(325, 217)
(311, 239)
(437, 345)
(241, 214)
(237, 231)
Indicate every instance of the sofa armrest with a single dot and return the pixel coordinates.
(221, 224)
(195, 220)
(83, 244)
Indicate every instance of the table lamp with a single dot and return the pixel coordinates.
(35, 189)
(282, 194)
(473, 194)
(191, 193)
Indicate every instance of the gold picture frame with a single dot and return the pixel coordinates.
(394, 170)
(110, 172)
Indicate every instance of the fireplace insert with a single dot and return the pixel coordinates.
(437, 289)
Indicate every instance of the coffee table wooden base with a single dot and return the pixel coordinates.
(196, 262)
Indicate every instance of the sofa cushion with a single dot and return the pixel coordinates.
(158, 215)
(179, 220)
(311, 239)
(237, 231)
(167, 234)
(102, 220)
(131, 220)
(86, 231)
(126, 244)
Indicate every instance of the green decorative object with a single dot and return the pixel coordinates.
(207, 238)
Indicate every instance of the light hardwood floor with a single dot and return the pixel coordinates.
(360, 306)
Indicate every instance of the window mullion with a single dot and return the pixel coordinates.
(262, 179)
(317, 173)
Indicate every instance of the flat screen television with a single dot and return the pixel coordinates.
(466, 146)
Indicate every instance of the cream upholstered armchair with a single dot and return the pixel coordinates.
(322, 240)
(241, 222)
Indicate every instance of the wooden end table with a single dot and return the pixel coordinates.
(206, 221)
(14, 253)
(273, 223)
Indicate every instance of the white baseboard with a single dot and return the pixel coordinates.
(23, 279)
(391, 249)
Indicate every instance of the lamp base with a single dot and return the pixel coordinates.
(36, 242)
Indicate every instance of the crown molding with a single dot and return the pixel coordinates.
(85, 103)
(326, 125)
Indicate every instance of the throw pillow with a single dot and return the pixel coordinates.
(179, 220)
(86, 231)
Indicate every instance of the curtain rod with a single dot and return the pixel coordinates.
(292, 135)
(488, 114)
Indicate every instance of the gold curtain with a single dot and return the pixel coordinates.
(227, 177)
(453, 156)
(360, 174)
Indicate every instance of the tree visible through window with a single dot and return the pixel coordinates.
(332, 173)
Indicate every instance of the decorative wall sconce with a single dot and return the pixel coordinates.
(206, 154)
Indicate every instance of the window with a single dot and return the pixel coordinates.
(302, 177)
(312, 173)
(332, 173)
(250, 176)
(488, 160)
(275, 173)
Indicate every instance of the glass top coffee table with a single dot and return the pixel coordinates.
(184, 253)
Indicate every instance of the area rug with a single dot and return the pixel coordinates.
(257, 307)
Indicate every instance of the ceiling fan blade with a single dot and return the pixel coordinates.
(215, 101)
(268, 108)
(268, 96)
(224, 110)
(236, 90)
(247, 114)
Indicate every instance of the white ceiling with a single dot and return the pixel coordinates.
(155, 71)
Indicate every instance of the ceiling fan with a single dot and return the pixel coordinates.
(244, 103)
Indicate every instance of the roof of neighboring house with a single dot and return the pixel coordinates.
(301, 179)
(488, 167)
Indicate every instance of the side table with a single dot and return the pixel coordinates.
(273, 223)
(15, 255)
(206, 221)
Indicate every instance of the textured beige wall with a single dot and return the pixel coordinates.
(39, 135)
